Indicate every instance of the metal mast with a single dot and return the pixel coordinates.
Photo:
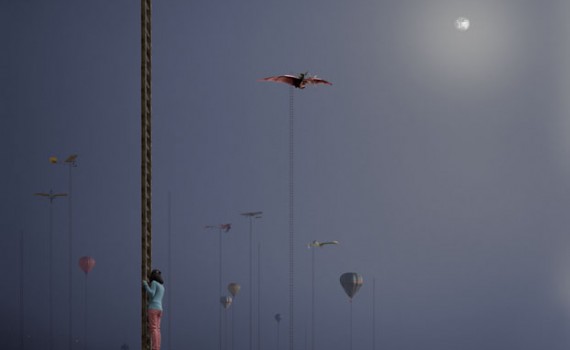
(146, 166)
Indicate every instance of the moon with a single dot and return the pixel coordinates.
(462, 24)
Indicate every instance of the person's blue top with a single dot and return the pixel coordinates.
(155, 294)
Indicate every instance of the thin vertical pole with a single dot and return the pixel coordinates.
(232, 323)
(85, 314)
(291, 221)
(50, 247)
(220, 311)
(252, 215)
(258, 296)
(350, 324)
(250, 282)
(146, 165)
(374, 314)
(277, 345)
(170, 270)
(226, 312)
(22, 290)
(313, 299)
(69, 258)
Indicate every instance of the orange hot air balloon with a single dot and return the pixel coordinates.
(86, 264)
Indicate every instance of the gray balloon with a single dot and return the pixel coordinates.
(351, 283)
(234, 288)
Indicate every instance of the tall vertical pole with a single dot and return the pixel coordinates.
(374, 314)
(291, 222)
(251, 215)
(313, 299)
(250, 283)
(350, 324)
(85, 314)
(277, 341)
(220, 311)
(170, 269)
(258, 296)
(22, 290)
(71, 164)
(146, 168)
(50, 247)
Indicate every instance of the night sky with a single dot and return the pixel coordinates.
(439, 159)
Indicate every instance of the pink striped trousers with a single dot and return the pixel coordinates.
(154, 328)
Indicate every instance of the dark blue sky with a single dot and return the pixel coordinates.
(438, 158)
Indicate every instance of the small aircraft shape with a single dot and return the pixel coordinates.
(299, 81)
(320, 244)
(222, 227)
(50, 195)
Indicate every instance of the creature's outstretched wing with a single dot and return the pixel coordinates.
(287, 79)
(315, 80)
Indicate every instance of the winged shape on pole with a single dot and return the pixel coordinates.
(86, 264)
(351, 283)
(51, 196)
(221, 227)
(299, 81)
(234, 288)
(315, 244)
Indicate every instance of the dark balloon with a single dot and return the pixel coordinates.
(234, 288)
(86, 264)
(351, 283)
(278, 318)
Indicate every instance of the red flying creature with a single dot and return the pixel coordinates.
(299, 81)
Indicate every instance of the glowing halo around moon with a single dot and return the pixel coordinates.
(462, 24)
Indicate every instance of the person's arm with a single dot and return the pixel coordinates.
(151, 289)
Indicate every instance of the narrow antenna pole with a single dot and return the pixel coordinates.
(374, 314)
(69, 258)
(258, 296)
(250, 283)
(221, 308)
(50, 245)
(291, 221)
(21, 290)
(170, 269)
(313, 298)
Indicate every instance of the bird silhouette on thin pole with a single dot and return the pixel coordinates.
(299, 81)
(315, 244)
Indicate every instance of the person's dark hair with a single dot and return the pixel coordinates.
(156, 275)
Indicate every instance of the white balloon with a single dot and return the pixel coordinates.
(462, 24)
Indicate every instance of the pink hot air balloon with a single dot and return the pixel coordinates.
(86, 264)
